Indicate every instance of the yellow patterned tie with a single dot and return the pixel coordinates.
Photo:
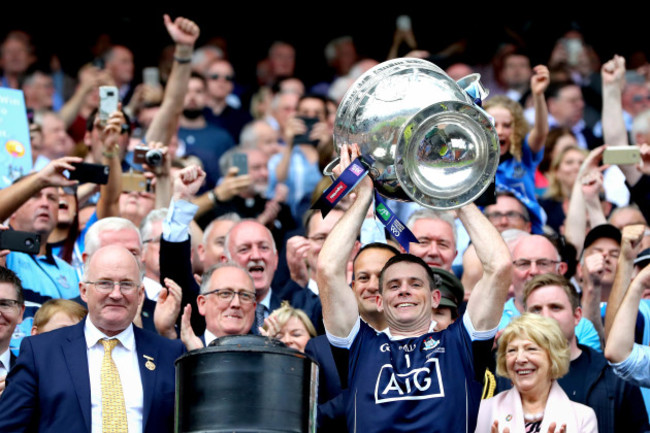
(113, 407)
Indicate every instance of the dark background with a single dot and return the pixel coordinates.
(70, 30)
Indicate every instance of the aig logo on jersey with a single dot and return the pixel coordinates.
(416, 384)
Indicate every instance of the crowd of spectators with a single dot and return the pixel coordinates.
(225, 243)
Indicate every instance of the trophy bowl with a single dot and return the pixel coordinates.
(420, 133)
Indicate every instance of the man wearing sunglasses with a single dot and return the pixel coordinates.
(199, 137)
(223, 110)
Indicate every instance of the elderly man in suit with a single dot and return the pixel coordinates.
(102, 373)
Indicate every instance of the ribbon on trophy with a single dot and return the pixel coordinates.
(345, 183)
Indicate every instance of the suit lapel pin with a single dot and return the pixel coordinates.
(149, 364)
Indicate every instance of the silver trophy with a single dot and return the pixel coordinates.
(420, 132)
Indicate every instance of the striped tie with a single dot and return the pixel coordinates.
(113, 407)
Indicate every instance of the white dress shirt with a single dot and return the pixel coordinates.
(5, 360)
(152, 288)
(209, 337)
(125, 357)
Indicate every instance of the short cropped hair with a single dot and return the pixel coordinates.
(205, 279)
(226, 248)
(8, 276)
(375, 246)
(434, 215)
(92, 243)
(146, 226)
(53, 306)
(408, 258)
(543, 280)
(546, 333)
(230, 216)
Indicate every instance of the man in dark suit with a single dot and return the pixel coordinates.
(227, 301)
(58, 382)
(250, 244)
(12, 307)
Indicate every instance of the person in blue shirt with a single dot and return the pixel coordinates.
(409, 377)
(32, 204)
(522, 151)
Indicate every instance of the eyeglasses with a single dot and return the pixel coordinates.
(541, 264)
(8, 305)
(225, 77)
(227, 295)
(107, 286)
(512, 215)
(152, 240)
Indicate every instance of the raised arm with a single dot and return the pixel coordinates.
(485, 305)
(161, 174)
(14, 196)
(89, 79)
(340, 310)
(630, 246)
(593, 267)
(109, 194)
(621, 335)
(576, 217)
(538, 84)
(614, 132)
(184, 33)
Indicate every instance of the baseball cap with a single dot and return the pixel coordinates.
(643, 258)
(602, 231)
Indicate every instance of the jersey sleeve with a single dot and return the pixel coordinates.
(345, 342)
(475, 335)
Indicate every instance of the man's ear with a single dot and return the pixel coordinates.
(562, 268)
(200, 303)
(380, 303)
(577, 315)
(201, 250)
(83, 288)
(435, 298)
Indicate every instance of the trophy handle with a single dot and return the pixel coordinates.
(329, 168)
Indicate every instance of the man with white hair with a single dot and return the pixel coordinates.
(119, 231)
(251, 245)
(103, 374)
(259, 134)
(436, 234)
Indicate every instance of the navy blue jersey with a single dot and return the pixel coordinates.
(420, 384)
